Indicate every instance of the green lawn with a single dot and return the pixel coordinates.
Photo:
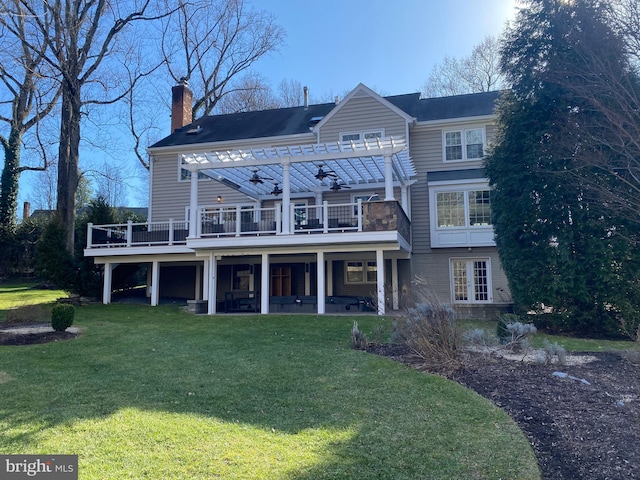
(160, 394)
(22, 294)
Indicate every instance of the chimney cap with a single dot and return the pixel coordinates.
(183, 81)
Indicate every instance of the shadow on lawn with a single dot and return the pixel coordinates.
(278, 375)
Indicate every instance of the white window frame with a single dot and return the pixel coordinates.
(471, 280)
(463, 136)
(466, 235)
(361, 135)
(367, 267)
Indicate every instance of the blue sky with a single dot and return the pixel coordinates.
(332, 45)
(390, 46)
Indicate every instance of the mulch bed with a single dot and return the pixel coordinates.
(578, 431)
(33, 338)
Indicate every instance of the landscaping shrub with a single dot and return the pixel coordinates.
(429, 328)
(431, 332)
(551, 352)
(501, 329)
(358, 339)
(479, 337)
(62, 316)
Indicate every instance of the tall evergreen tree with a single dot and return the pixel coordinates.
(559, 243)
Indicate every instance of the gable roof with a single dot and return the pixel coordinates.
(359, 92)
(301, 120)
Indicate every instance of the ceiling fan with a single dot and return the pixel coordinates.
(335, 186)
(276, 190)
(256, 179)
(322, 174)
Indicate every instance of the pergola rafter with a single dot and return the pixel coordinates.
(355, 164)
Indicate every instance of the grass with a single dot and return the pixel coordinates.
(22, 294)
(157, 393)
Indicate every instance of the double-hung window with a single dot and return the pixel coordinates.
(360, 271)
(466, 144)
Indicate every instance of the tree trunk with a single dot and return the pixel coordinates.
(68, 158)
(9, 181)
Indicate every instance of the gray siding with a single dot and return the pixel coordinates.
(433, 264)
(363, 113)
(170, 197)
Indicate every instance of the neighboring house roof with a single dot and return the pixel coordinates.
(43, 213)
(299, 120)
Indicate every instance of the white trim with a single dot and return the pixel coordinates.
(360, 89)
(230, 144)
(365, 269)
(471, 281)
(463, 145)
(361, 135)
(448, 121)
(471, 182)
(462, 236)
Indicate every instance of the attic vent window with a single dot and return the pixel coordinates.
(316, 119)
(194, 131)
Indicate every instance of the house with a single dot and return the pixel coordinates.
(319, 208)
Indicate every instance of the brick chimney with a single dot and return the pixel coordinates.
(26, 211)
(181, 105)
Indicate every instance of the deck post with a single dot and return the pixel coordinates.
(380, 280)
(264, 284)
(213, 284)
(321, 295)
(394, 284)
(388, 178)
(106, 286)
(193, 205)
(155, 283)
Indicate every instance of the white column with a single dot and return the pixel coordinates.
(106, 286)
(321, 282)
(380, 280)
(394, 284)
(213, 284)
(193, 205)
(264, 284)
(329, 278)
(205, 280)
(155, 283)
(388, 178)
(286, 197)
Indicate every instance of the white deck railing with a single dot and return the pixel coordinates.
(232, 221)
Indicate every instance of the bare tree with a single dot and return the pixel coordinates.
(290, 93)
(249, 94)
(211, 43)
(77, 38)
(479, 72)
(28, 97)
(604, 132)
